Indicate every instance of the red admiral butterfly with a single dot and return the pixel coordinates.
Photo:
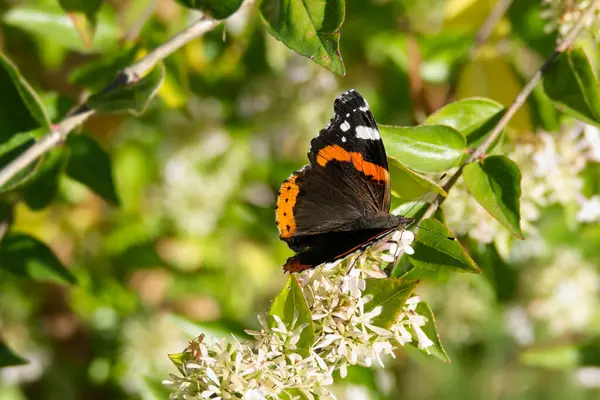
(340, 202)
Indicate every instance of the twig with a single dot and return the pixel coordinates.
(515, 106)
(127, 76)
(482, 36)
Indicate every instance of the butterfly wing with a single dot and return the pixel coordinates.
(346, 183)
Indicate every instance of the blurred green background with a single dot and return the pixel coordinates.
(193, 246)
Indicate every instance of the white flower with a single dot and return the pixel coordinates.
(344, 335)
(590, 209)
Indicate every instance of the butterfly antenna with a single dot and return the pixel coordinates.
(426, 193)
(436, 233)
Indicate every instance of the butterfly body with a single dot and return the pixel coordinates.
(339, 203)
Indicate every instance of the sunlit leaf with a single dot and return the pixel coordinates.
(91, 165)
(390, 294)
(571, 83)
(132, 98)
(54, 25)
(310, 28)
(26, 256)
(8, 358)
(409, 185)
(290, 305)
(219, 9)
(474, 118)
(434, 251)
(426, 148)
(495, 183)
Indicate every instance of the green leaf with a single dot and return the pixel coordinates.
(310, 28)
(562, 357)
(52, 24)
(570, 82)
(409, 185)
(474, 118)
(426, 148)
(8, 358)
(42, 188)
(132, 98)
(496, 185)
(10, 150)
(434, 251)
(95, 75)
(91, 165)
(26, 256)
(390, 294)
(219, 9)
(21, 109)
(430, 329)
(290, 305)
(88, 7)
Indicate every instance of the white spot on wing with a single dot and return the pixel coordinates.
(345, 126)
(366, 132)
(364, 109)
(347, 115)
(344, 139)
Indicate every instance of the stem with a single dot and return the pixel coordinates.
(127, 76)
(515, 106)
(482, 36)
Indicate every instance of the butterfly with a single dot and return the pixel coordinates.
(339, 203)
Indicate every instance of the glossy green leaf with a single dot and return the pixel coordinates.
(52, 24)
(571, 83)
(474, 118)
(390, 294)
(434, 251)
(10, 150)
(290, 305)
(96, 74)
(310, 28)
(8, 358)
(409, 185)
(219, 9)
(91, 165)
(43, 187)
(496, 185)
(26, 256)
(426, 148)
(132, 98)
(21, 109)
(430, 329)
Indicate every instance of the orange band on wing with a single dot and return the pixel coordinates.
(284, 213)
(338, 153)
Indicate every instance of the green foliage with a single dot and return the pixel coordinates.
(430, 329)
(27, 257)
(8, 358)
(311, 28)
(571, 83)
(132, 98)
(409, 185)
(43, 187)
(91, 165)
(474, 118)
(391, 294)
(219, 9)
(434, 148)
(290, 306)
(496, 184)
(436, 252)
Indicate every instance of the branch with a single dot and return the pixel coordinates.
(482, 36)
(515, 106)
(125, 77)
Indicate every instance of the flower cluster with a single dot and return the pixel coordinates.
(550, 167)
(561, 15)
(272, 365)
